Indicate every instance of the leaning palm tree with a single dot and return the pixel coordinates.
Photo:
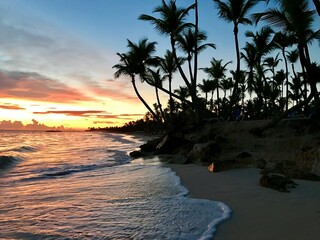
(135, 63)
(235, 11)
(217, 72)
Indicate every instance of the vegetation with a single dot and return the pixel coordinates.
(260, 90)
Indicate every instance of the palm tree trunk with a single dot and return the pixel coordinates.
(170, 96)
(287, 78)
(172, 41)
(236, 84)
(159, 104)
(142, 100)
(195, 65)
(173, 95)
(218, 101)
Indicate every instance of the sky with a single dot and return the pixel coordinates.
(56, 59)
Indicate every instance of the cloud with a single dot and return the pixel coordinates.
(9, 106)
(92, 113)
(33, 86)
(103, 122)
(86, 113)
(32, 45)
(35, 125)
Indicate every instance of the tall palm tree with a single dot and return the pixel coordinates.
(172, 22)
(293, 57)
(295, 17)
(249, 55)
(135, 62)
(187, 43)
(262, 44)
(235, 11)
(282, 41)
(169, 66)
(216, 71)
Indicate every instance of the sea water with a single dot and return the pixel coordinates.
(83, 185)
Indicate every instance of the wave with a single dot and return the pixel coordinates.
(118, 158)
(6, 161)
(25, 149)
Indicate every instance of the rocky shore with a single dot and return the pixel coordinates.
(291, 149)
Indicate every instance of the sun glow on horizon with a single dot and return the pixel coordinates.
(16, 113)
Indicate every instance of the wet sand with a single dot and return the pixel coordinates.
(258, 213)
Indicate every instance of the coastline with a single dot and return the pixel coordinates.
(257, 212)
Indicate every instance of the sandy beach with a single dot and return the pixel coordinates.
(258, 213)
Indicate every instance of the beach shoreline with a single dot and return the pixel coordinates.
(257, 212)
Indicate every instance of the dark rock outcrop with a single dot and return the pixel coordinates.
(277, 182)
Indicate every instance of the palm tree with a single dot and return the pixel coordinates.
(226, 84)
(216, 71)
(272, 63)
(295, 17)
(155, 79)
(235, 11)
(135, 62)
(169, 66)
(293, 57)
(261, 45)
(172, 23)
(279, 79)
(205, 87)
(282, 41)
(183, 93)
(187, 43)
(250, 58)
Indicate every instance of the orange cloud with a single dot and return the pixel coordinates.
(86, 113)
(35, 125)
(93, 113)
(33, 86)
(111, 89)
(9, 106)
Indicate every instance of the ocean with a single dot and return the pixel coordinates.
(84, 185)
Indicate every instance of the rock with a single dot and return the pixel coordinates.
(277, 182)
(135, 154)
(204, 152)
(171, 144)
(178, 159)
(150, 146)
(261, 163)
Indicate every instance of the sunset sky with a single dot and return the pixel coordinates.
(56, 59)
